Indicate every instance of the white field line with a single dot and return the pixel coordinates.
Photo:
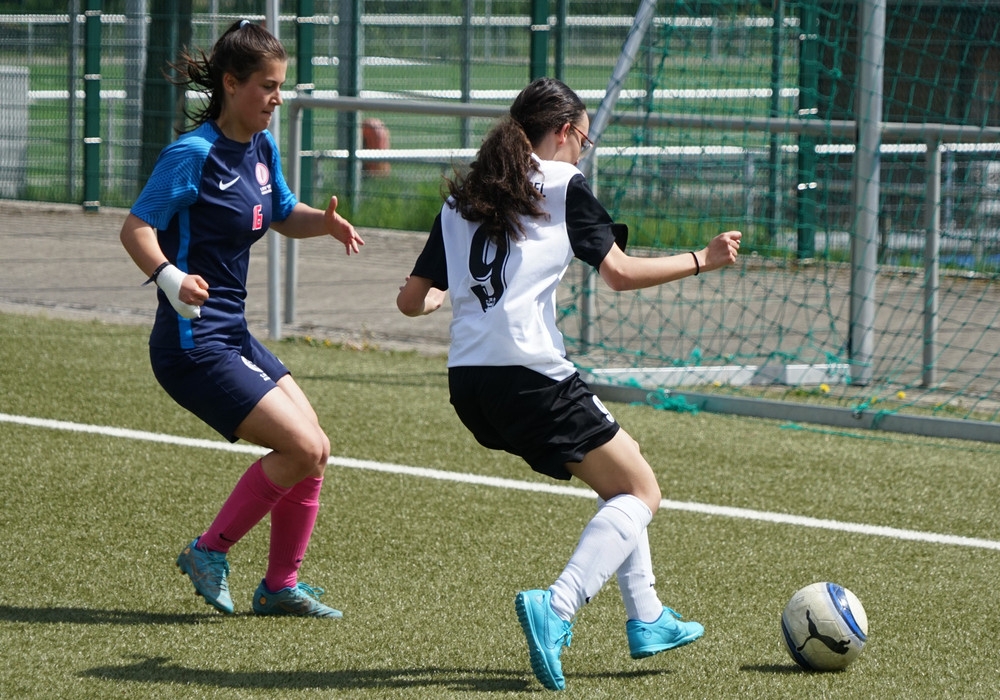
(513, 484)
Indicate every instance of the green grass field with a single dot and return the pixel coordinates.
(426, 569)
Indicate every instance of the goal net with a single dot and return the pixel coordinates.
(855, 144)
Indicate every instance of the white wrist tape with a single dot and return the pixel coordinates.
(169, 280)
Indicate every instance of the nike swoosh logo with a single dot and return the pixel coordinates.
(226, 185)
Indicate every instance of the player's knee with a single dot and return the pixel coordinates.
(320, 453)
(648, 491)
(651, 497)
(324, 453)
(646, 487)
(312, 454)
(635, 443)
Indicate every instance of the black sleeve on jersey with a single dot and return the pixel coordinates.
(591, 230)
(431, 263)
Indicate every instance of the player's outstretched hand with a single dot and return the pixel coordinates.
(722, 250)
(341, 229)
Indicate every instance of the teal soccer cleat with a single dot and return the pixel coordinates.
(208, 572)
(301, 601)
(547, 634)
(668, 632)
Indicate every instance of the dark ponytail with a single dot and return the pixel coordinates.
(242, 50)
(497, 190)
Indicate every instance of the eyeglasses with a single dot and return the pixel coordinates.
(585, 143)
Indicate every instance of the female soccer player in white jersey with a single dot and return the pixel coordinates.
(501, 244)
(213, 193)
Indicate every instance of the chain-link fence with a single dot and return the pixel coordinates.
(478, 50)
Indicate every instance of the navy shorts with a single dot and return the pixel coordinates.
(545, 422)
(218, 383)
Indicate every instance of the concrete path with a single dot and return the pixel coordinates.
(63, 262)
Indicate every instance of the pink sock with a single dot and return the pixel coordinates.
(292, 521)
(253, 497)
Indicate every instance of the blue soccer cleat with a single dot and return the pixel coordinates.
(301, 601)
(668, 632)
(208, 572)
(547, 634)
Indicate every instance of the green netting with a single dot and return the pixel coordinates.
(733, 120)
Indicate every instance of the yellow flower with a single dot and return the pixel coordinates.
(825, 388)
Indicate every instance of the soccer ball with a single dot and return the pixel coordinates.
(824, 627)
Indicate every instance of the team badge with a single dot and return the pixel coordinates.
(263, 178)
(263, 174)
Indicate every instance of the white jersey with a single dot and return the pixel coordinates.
(504, 297)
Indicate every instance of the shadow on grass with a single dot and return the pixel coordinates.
(86, 616)
(416, 379)
(622, 675)
(160, 670)
(776, 669)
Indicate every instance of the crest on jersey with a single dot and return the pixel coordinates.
(262, 173)
(263, 178)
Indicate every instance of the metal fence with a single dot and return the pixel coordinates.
(479, 53)
(722, 57)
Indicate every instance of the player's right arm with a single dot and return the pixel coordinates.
(425, 288)
(419, 297)
(142, 245)
(173, 185)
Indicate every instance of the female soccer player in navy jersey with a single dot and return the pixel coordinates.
(213, 193)
(501, 244)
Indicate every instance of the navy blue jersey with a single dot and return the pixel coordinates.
(210, 198)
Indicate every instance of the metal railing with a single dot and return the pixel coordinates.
(932, 138)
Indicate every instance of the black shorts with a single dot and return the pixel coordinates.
(219, 383)
(518, 410)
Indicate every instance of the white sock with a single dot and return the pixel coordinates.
(636, 582)
(607, 541)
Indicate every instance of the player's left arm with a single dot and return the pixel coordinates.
(623, 272)
(600, 242)
(308, 222)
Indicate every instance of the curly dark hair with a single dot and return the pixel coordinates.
(497, 189)
(241, 50)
